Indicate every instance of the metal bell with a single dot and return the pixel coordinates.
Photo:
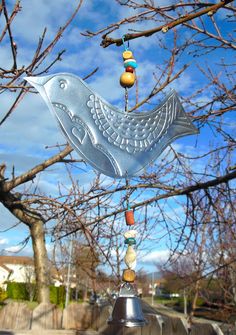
(127, 310)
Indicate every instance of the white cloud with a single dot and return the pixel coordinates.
(183, 84)
(4, 241)
(31, 125)
(17, 249)
(36, 15)
(13, 249)
(155, 256)
(25, 134)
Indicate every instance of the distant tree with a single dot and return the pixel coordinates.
(86, 260)
(143, 283)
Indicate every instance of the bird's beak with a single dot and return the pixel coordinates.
(37, 82)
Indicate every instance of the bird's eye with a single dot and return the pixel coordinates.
(62, 84)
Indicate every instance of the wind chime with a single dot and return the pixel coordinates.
(127, 309)
(127, 80)
(118, 144)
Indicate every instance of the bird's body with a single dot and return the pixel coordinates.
(116, 143)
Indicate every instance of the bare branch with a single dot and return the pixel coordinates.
(29, 175)
(106, 40)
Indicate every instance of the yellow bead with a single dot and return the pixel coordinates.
(127, 54)
(128, 275)
(127, 79)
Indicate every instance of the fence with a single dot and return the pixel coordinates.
(17, 316)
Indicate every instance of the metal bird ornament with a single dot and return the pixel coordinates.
(116, 143)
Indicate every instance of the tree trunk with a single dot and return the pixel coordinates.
(40, 261)
(194, 303)
(185, 304)
(85, 291)
(35, 222)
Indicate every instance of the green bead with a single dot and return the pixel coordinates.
(130, 241)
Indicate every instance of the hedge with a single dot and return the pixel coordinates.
(3, 295)
(19, 291)
(58, 295)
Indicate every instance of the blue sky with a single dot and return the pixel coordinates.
(31, 127)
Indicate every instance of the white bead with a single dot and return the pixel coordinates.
(130, 233)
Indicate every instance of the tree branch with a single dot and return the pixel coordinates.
(106, 40)
(184, 191)
(29, 175)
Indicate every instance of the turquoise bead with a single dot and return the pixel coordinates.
(130, 241)
(130, 62)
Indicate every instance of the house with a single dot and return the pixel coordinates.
(16, 268)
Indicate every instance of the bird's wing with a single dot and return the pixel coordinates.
(140, 132)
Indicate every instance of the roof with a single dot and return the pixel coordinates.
(16, 260)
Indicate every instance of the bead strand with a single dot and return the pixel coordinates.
(127, 79)
(130, 256)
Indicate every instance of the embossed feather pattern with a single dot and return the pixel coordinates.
(115, 143)
(129, 132)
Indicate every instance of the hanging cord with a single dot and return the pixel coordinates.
(126, 100)
(126, 47)
(145, 219)
(127, 193)
(98, 218)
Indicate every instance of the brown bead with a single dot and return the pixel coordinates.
(128, 275)
(129, 69)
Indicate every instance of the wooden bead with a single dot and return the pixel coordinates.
(127, 79)
(129, 217)
(127, 54)
(128, 275)
(129, 69)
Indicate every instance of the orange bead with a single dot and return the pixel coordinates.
(129, 217)
(127, 79)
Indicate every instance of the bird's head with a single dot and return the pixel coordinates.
(61, 88)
